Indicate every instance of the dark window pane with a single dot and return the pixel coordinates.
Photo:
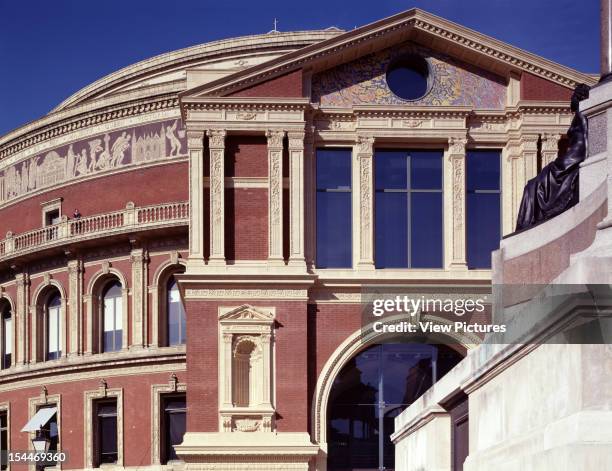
(391, 172)
(407, 372)
(334, 230)
(483, 170)
(176, 315)
(426, 230)
(3, 439)
(107, 432)
(333, 169)
(391, 230)
(407, 77)
(483, 228)
(425, 170)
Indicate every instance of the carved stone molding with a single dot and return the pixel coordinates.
(245, 369)
(456, 149)
(275, 196)
(550, 148)
(364, 151)
(217, 196)
(221, 293)
(195, 139)
(275, 139)
(216, 138)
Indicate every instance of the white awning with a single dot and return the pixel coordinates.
(40, 419)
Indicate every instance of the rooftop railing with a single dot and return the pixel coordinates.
(130, 219)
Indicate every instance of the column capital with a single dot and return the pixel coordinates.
(195, 139)
(550, 142)
(529, 142)
(275, 138)
(365, 144)
(296, 140)
(456, 145)
(216, 138)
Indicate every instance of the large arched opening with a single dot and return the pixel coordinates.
(370, 390)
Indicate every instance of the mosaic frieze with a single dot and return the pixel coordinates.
(107, 152)
(363, 82)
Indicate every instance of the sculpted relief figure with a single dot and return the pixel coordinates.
(555, 188)
(175, 144)
(95, 155)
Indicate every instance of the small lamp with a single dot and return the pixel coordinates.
(40, 442)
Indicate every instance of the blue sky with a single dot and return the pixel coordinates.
(49, 49)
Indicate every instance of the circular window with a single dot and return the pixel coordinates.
(408, 77)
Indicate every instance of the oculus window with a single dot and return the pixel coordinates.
(408, 77)
(483, 206)
(409, 211)
(334, 238)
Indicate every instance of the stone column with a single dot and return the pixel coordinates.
(216, 145)
(195, 145)
(275, 197)
(296, 199)
(606, 40)
(23, 287)
(89, 340)
(364, 159)
(75, 306)
(266, 339)
(310, 195)
(456, 154)
(139, 258)
(227, 374)
(550, 148)
(529, 152)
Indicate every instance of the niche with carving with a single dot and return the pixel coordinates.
(245, 369)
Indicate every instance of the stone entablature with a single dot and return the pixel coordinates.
(96, 156)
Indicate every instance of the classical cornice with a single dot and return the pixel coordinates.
(411, 20)
(411, 111)
(19, 140)
(250, 104)
(237, 48)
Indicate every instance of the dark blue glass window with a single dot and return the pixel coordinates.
(334, 241)
(409, 209)
(483, 206)
(407, 77)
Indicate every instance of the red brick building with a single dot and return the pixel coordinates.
(186, 241)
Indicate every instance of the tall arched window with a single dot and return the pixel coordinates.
(370, 391)
(53, 327)
(112, 318)
(176, 318)
(7, 335)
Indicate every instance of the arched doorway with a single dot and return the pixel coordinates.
(369, 392)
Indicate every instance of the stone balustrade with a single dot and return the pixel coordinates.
(130, 219)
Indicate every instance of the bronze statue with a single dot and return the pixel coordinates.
(555, 188)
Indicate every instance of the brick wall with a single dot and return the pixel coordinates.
(165, 183)
(536, 88)
(246, 156)
(288, 85)
(246, 223)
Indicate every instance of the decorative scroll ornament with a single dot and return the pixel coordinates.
(412, 123)
(365, 144)
(246, 116)
(275, 139)
(216, 138)
(456, 145)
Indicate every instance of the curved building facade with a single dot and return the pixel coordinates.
(186, 242)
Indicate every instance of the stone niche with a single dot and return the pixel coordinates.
(246, 358)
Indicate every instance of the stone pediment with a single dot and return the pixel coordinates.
(492, 57)
(246, 312)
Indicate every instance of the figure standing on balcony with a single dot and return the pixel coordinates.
(555, 189)
(76, 214)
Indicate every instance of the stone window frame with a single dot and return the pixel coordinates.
(158, 292)
(5, 407)
(48, 206)
(39, 317)
(234, 323)
(11, 307)
(34, 404)
(103, 392)
(157, 393)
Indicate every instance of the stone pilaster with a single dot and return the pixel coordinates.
(550, 148)
(529, 153)
(139, 259)
(310, 193)
(456, 155)
(216, 145)
(89, 340)
(75, 306)
(195, 145)
(275, 196)
(364, 159)
(296, 198)
(22, 281)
